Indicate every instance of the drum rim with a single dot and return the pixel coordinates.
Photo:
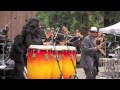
(51, 47)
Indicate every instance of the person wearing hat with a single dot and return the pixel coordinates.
(89, 54)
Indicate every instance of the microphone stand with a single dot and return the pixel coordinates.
(8, 24)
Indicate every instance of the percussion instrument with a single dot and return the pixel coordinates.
(51, 62)
(69, 61)
(38, 62)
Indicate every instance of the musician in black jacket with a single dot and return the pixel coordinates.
(61, 38)
(16, 54)
(76, 41)
(32, 35)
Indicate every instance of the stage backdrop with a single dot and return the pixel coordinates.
(15, 26)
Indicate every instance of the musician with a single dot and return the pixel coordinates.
(62, 38)
(16, 54)
(33, 35)
(76, 40)
(89, 54)
(99, 40)
(49, 37)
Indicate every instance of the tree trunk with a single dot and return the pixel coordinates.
(106, 18)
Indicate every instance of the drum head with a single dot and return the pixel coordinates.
(51, 47)
(61, 48)
(41, 47)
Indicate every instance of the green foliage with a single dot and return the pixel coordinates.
(78, 19)
(96, 19)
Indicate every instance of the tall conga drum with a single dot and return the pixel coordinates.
(69, 61)
(39, 64)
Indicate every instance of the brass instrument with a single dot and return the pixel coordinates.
(102, 52)
(99, 42)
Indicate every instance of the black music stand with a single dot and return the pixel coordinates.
(6, 64)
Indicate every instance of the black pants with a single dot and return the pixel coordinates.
(18, 70)
(78, 49)
(90, 73)
(97, 65)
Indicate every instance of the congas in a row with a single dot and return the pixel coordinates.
(51, 62)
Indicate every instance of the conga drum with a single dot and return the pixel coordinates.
(39, 64)
(57, 58)
(69, 61)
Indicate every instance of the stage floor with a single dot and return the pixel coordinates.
(81, 73)
(101, 74)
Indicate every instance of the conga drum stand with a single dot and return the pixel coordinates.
(75, 76)
(61, 76)
(56, 58)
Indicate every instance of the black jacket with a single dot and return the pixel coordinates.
(33, 39)
(17, 50)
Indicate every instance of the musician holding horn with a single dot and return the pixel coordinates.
(76, 40)
(61, 37)
(49, 35)
(89, 54)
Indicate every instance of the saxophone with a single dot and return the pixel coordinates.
(100, 42)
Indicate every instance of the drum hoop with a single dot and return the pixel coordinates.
(54, 48)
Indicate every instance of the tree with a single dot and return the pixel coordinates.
(79, 19)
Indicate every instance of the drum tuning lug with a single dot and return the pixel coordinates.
(34, 56)
(46, 56)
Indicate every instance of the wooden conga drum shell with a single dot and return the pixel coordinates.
(38, 62)
(67, 66)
